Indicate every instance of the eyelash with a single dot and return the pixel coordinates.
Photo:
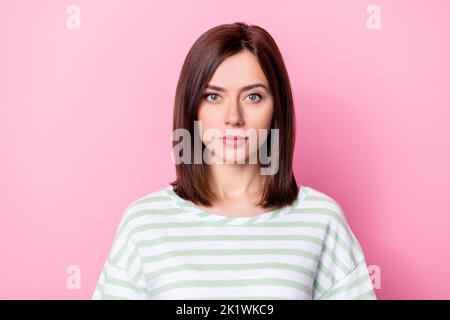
(205, 96)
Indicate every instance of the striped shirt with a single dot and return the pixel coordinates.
(167, 248)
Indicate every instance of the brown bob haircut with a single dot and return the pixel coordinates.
(205, 55)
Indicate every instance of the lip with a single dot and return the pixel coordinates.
(234, 137)
(233, 141)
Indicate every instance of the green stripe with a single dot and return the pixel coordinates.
(221, 252)
(139, 275)
(335, 259)
(221, 224)
(311, 239)
(322, 269)
(318, 288)
(147, 213)
(333, 214)
(251, 220)
(223, 221)
(233, 267)
(241, 298)
(124, 284)
(238, 237)
(325, 211)
(230, 283)
(304, 224)
(131, 258)
(369, 295)
(346, 287)
(108, 296)
(115, 259)
(151, 199)
(275, 214)
(227, 237)
(346, 246)
(319, 198)
(100, 286)
(156, 241)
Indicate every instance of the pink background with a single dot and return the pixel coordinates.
(86, 115)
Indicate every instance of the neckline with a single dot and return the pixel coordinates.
(207, 215)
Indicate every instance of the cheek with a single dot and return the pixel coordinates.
(261, 119)
(205, 118)
(209, 121)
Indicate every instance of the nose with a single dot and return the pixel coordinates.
(233, 115)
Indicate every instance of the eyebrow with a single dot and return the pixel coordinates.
(249, 87)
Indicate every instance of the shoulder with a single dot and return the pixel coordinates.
(141, 212)
(320, 202)
(148, 207)
(155, 198)
(329, 211)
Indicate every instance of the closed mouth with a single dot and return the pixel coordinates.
(234, 138)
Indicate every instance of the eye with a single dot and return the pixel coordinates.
(255, 97)
(214, 96)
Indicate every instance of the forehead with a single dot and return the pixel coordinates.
(238, 71)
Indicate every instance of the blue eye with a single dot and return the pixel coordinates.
(255, 94)
(211, 94)
(214, 97)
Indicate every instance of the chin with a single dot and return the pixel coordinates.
(236, 161)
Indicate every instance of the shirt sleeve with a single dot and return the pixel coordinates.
(342, 270)
(122, 276)
(357, 285)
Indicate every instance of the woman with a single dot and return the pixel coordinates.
(234, 224)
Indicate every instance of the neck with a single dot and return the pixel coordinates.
(230, 181)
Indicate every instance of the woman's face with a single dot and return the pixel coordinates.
(234, 109)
